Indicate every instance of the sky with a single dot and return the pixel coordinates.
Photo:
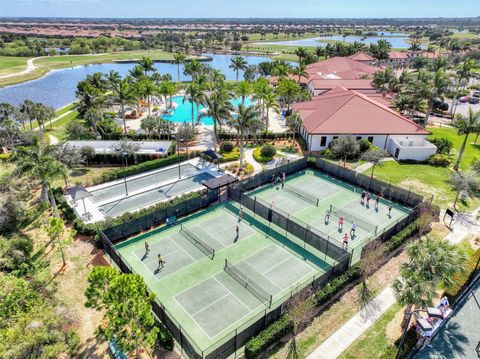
(240, 8)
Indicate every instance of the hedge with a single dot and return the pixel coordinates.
(261, 136)
(274, 332)
(230, 156)
(112, 158)
(398, 239)
(462, 279)
(142, 167)
(332, 287)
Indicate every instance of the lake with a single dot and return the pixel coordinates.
(58, 87)
(398, 40)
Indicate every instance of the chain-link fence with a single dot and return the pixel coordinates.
(407, 197)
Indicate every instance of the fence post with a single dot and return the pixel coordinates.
(326, 249)
(408, 197)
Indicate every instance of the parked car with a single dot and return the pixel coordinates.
(476, 93)
(474, 100)
(464, 99)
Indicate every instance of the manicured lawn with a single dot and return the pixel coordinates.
(374, 342)
(472, 150)
(12, 64)
(58, 127)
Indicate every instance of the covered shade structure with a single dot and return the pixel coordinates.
(77, 193)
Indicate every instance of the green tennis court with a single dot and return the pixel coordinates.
(208, 300)
(308, 195)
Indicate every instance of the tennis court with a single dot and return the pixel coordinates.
(308, 195)
(214, 281)
(107, 191)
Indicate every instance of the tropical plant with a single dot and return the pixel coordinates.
(123, 95)
(218, 107)
(465, 125)
(146, 63)
(238, 63)
(178, 59)
(300, 71)
(243, 89)
(127, 306)
(192, 68)
(294, 123)
(288, 90)
(194, 95)
(55, 230)
(384, 80)
(38, 163)
(246, 119)
(270, 103)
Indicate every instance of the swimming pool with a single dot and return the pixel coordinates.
(183, 112)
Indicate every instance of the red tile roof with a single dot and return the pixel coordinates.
(360, 85)
(398, 55)
(361, 56)
(340, 68)
(342, 111)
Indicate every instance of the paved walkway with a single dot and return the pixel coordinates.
(54, 120)
(464, 223)
(249, 158)
(367, 165)
(339, 341)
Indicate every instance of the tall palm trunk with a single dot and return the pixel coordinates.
(122, 106)
(241, 147)
(44, 192)
(193, 115)
(148, 103)
(460, 154)
(178, 73)
(429, 111)
(267, 119)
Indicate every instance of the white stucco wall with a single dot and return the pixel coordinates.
(410, 147)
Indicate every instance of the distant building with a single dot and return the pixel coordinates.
(363, 58)
(343, 112)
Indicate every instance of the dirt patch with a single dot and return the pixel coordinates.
(423, 187)
(393, 330)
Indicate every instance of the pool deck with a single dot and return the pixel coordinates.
(93, 208)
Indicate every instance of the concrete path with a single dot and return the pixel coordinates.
(54, 120)
(339, 341)
(52, 139)
(30, 67)
(464, 223)
(367, 165)
(249, 158)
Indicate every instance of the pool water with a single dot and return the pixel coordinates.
(183, 113)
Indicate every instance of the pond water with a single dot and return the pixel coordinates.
(398, 40)
(183, 112)
(57, 88)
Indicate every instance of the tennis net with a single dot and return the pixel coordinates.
(248, 283)
(353, 218)
(198, 242)
(302, 194)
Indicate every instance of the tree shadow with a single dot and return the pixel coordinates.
(89, 348)
(78, 172)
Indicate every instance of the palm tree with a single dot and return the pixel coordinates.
(238, 63)
(384, 81)
(38, 162)
(439, 86)
(148, 90)
(113, 78)
(243, 89)
(319, 52)
(270, 102)
(219, 108)
(431, 262)
(374, 157)
(463, 74)
(246, 119)
(300, 71)
(294, 123)
(193, 94)
(192, 68)
(465, 125)
(146, 63)
(260, 89)
(288, 90)
(301, 53)
(124, 96)
(178, 59)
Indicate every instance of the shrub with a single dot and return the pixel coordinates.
(226, 147)
(248, 169)
(365, 145)
(257, 155)
(234, 155)
(444, 145)
(397, 240)
(461, 279)
(332, 287)
(268, 151)
(439, 160)
(476, 165)
(274, 332)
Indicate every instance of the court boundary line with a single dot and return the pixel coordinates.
(212, 303)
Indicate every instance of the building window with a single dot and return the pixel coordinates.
(334, 138)
(323, 141)
(359, 138)
(370, 139)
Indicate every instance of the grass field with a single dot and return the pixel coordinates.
(10, 64)
(207, 301)
(45, 64)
